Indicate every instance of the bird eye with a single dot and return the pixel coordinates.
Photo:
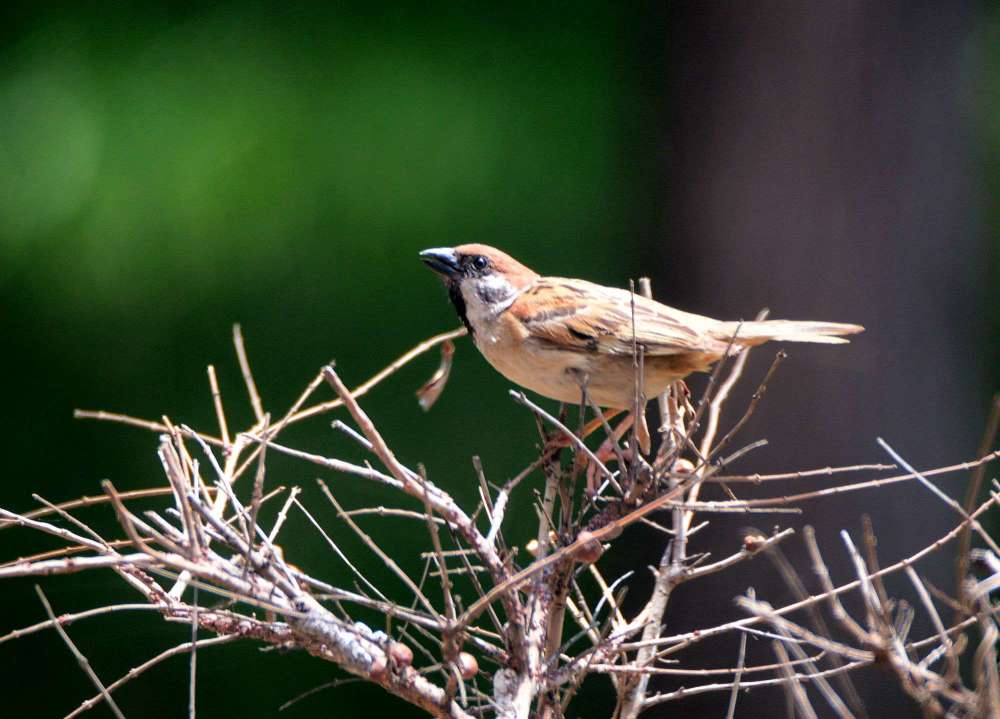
(480, 263)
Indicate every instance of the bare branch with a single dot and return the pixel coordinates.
(741, 659)
(241, 355)
(942, 496)
(80, 658)
(201, 535)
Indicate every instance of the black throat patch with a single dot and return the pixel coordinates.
(455, 294)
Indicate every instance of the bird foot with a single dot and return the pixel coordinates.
(609, 451)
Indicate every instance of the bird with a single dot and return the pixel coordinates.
(556, 336)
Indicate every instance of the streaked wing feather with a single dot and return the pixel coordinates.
(579, 315)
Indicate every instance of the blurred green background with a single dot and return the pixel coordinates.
(167, 169)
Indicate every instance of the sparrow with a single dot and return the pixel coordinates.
(554, 335)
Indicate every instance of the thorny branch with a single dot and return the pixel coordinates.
(543, 617)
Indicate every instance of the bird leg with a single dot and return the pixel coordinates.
(561, 441)
(608, 451)
(642, 434)
(596, 423)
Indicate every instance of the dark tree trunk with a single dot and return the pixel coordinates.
(817, 161)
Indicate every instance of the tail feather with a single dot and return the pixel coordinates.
(755, 333)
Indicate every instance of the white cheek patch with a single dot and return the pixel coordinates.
(485, 297)
(495, 291)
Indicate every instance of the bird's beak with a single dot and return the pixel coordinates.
(442, 260)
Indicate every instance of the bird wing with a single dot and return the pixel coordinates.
(582, 316)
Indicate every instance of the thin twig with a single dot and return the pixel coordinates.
(149, 664)
(80, 658)
(522, 399)
(379, 552)
(89, 501)
(192, 671)
(972, 493)
(220, 413)
(248, 380)
(793, 687)
(754, 401)
(740, 661)
(942, 496)
(390, 369)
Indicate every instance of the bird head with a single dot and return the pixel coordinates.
(482, 281)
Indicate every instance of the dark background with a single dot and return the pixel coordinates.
(167, 169)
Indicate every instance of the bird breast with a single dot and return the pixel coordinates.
(556, 373)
